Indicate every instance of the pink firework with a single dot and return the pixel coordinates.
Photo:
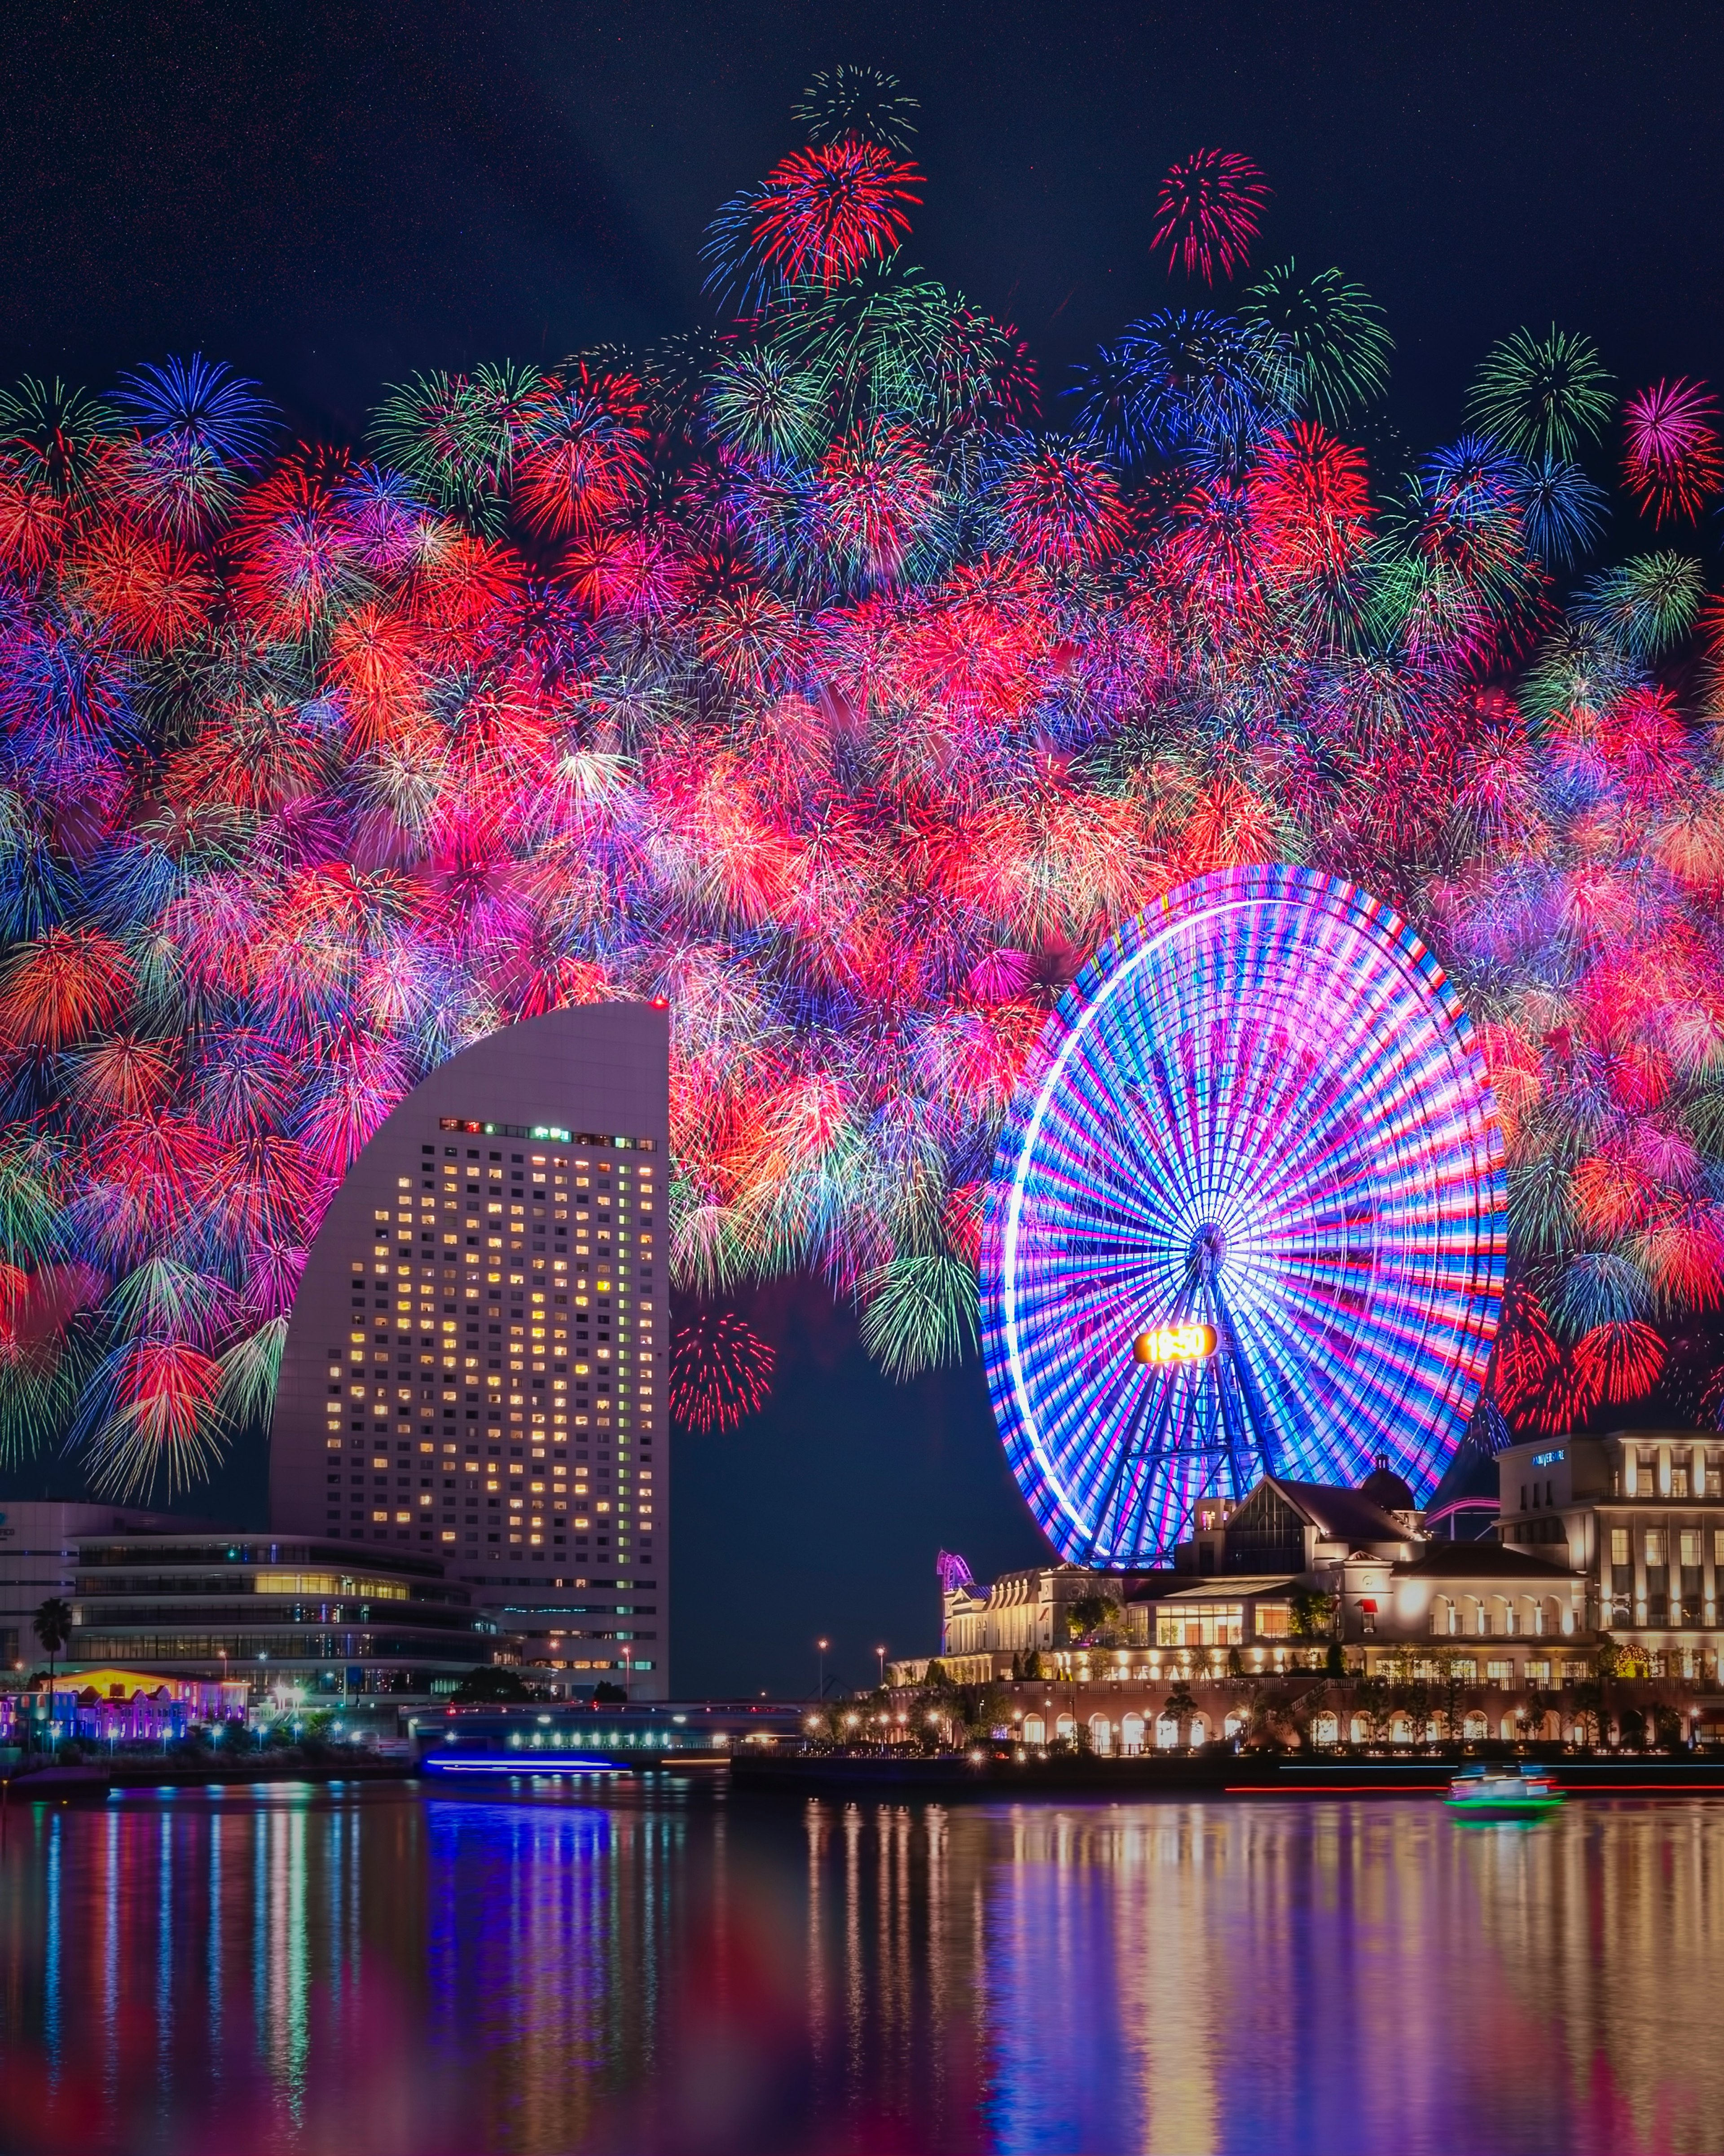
(720, 1370)
(1671, 458)
(1207, 213)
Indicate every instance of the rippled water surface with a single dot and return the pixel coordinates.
(641, 1968)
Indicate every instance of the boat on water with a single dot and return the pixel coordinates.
(1503, 1791)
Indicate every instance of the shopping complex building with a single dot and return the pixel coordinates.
(1616, 1539)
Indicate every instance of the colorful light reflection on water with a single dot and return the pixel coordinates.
(292, 1969)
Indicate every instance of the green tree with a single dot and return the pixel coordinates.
(1181, 1705)
(1531, 1716)
(53, 1627)
(983, 1709)
(1091, 1613)
(1311, 1614)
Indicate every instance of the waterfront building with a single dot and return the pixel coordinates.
(1248, 1583)
(38, 1558)
(1639, 1514)
(296, 1619)
(475, 1367)
(1616, 1541)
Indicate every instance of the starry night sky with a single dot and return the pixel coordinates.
(332, 194)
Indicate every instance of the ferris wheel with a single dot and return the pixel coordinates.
(1247, 1216)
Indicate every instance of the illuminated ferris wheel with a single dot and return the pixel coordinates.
(1247, 1215)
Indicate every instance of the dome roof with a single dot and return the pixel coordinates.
(1387, 1489)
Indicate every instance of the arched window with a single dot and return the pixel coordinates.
(1066, 1728)
(1167, 1732)
(1035, 1730)
(1101, 1734)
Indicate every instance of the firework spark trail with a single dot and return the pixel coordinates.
(800, 674)
(720, 1370)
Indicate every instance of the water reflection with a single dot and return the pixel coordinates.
(289, 1970)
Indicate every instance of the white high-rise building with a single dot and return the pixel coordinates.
(476, 1362)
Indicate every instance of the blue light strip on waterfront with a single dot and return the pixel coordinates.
(534, 1763)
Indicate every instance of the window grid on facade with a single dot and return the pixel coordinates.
(562, 1288)
(496, 1397)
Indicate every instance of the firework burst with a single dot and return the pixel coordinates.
(1207, 212)
(720, 1371)
(796, 673)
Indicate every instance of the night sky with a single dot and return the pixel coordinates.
(330, 196)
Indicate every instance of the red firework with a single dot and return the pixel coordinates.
(1310, 496)
(824, 213)
(1207, 213)
(1063, 508)
(586, 466)
(720, 1370)
(876, 489)
(1671, 458)
(1620, 1362)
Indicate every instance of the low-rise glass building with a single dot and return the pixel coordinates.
(310, 1619)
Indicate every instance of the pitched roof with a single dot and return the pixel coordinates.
(1340, 1515)
(1446, 1560)
(1222, 1586)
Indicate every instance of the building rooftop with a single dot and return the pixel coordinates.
(1487, 1560)
(1385, 1487)
(1346, 1516)
(1215, 1586)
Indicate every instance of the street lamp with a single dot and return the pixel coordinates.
(822, 1644)
(881, 1652)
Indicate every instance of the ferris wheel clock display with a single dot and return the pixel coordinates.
(1247, 1216)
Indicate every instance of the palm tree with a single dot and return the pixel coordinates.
(54, 1629)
